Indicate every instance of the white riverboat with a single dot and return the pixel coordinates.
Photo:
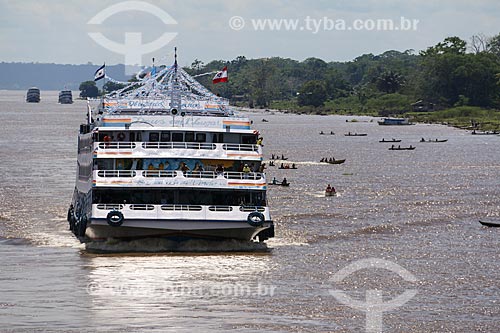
(164, 157)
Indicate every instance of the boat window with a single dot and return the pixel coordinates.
(248, 139)
(132, 136)
(180, 197)
(189, 137)
(154, 137)
(138, 136)
(165, 137)
(177, 137)
(201, 137)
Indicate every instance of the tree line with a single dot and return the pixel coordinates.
(451, 73)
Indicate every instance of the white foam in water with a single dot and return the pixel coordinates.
(154, 245)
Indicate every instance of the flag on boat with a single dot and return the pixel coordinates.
(220, 76)
(100, 73)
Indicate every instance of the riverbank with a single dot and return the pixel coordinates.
(464, 117)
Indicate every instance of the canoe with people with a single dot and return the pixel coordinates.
(284, 182)
(355, 134)
(436, 140)
(287, 166)
(330, 191)
(393, 140)
(331, 160)
(402, 148)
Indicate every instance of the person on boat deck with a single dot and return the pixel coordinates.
(322, 160)
(422, 140)
(392, 147)
(330, 160)
(262, 167)
(284, 182)
(274, 180)
(246, 169)
(321, 132)
(329, 188)
(282, 166)
(198, 167)
(150, 166)
(183, 167)
(282, 156)
(259, 141)
(220, 169)
(272, 156)
(293, 165)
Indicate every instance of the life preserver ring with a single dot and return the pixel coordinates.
(255, 219)
(121, 136)
(115, 218)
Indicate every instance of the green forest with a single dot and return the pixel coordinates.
(454, 81)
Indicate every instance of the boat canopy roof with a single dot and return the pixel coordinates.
(171, 88)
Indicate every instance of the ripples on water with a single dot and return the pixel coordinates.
(418, 209)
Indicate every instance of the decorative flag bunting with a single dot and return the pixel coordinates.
(100, 73)
(220, 76)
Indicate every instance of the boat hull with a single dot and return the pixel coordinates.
(99, 230)
(490, 223)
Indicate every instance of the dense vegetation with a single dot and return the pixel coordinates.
(452, 73)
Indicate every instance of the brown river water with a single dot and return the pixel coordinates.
(399, 250)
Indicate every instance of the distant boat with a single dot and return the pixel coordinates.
(393, 140)
(330, 193)
(355, 134)
(65, 97)
(33, 95)
(279, 184)
(287, 167)
(335, 161)
(435, 141)
(402, 148)
(490, 223)
(395, 121)
(474, 132)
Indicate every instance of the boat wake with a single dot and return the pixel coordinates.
(159, 245)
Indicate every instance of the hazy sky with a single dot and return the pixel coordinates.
(58, 31)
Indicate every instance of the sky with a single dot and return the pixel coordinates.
(53, 31)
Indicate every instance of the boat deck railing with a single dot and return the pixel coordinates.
(174, 149)
(178, 178)
(155, 212)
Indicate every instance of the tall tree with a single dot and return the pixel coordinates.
(312, 93)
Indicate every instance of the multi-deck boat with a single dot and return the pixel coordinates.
(395, 121)
(65, 97)
(165, 157)
(33, 95)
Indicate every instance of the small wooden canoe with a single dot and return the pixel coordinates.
(393, 140)
(490, 223)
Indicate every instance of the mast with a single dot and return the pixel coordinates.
(175, 96)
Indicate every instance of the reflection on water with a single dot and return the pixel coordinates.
(418, 209)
